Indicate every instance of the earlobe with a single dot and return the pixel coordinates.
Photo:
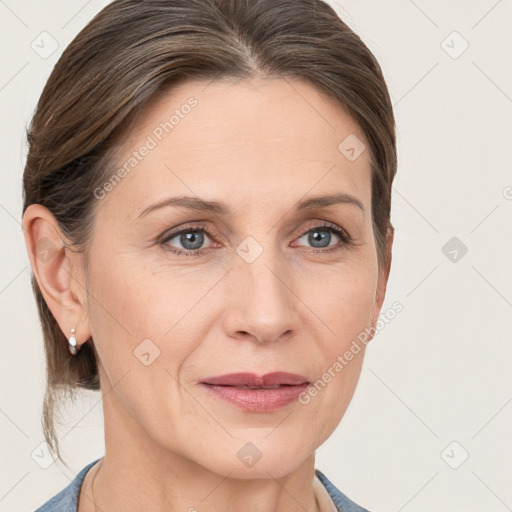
(54, 268)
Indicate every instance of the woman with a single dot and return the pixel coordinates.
(207, 215)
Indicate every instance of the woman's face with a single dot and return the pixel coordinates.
(254, 284)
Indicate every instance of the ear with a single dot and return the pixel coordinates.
(57, 271)
(380, 294)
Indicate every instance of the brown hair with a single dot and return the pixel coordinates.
(132, 51)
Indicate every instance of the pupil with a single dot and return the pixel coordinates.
(315, 235)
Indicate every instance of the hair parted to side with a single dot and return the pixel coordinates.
(130, 52)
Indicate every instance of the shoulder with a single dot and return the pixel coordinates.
(66, 500)
(342, 502)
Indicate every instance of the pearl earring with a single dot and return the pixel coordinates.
(72, 343)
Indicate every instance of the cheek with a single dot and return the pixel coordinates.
(130, 314)
(344, 300)
(325, 402)
(121, 317)
(345, 307)
(340, 382)
(135, 311)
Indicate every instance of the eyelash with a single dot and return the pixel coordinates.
(346, 240)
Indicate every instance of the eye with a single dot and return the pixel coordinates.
(320, 237)
(190, 238)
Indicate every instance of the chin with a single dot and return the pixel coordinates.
(247, 460)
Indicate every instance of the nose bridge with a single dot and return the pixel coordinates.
(263, 302)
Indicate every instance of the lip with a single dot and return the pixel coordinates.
(252, 379)
(254, 393)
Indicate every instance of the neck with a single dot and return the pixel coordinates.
(122, 485)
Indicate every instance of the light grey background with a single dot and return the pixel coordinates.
(439, 373)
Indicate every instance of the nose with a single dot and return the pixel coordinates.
(262, 306)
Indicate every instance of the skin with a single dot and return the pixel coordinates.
(258, 146)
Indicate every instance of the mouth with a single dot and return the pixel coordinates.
(253, 393)
(251, 380)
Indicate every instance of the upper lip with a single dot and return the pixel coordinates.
(252, 379)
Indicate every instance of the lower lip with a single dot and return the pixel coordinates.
(257, 400)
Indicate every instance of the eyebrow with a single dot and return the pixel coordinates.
(218, 208)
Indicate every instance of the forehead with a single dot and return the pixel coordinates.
(258, 138)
